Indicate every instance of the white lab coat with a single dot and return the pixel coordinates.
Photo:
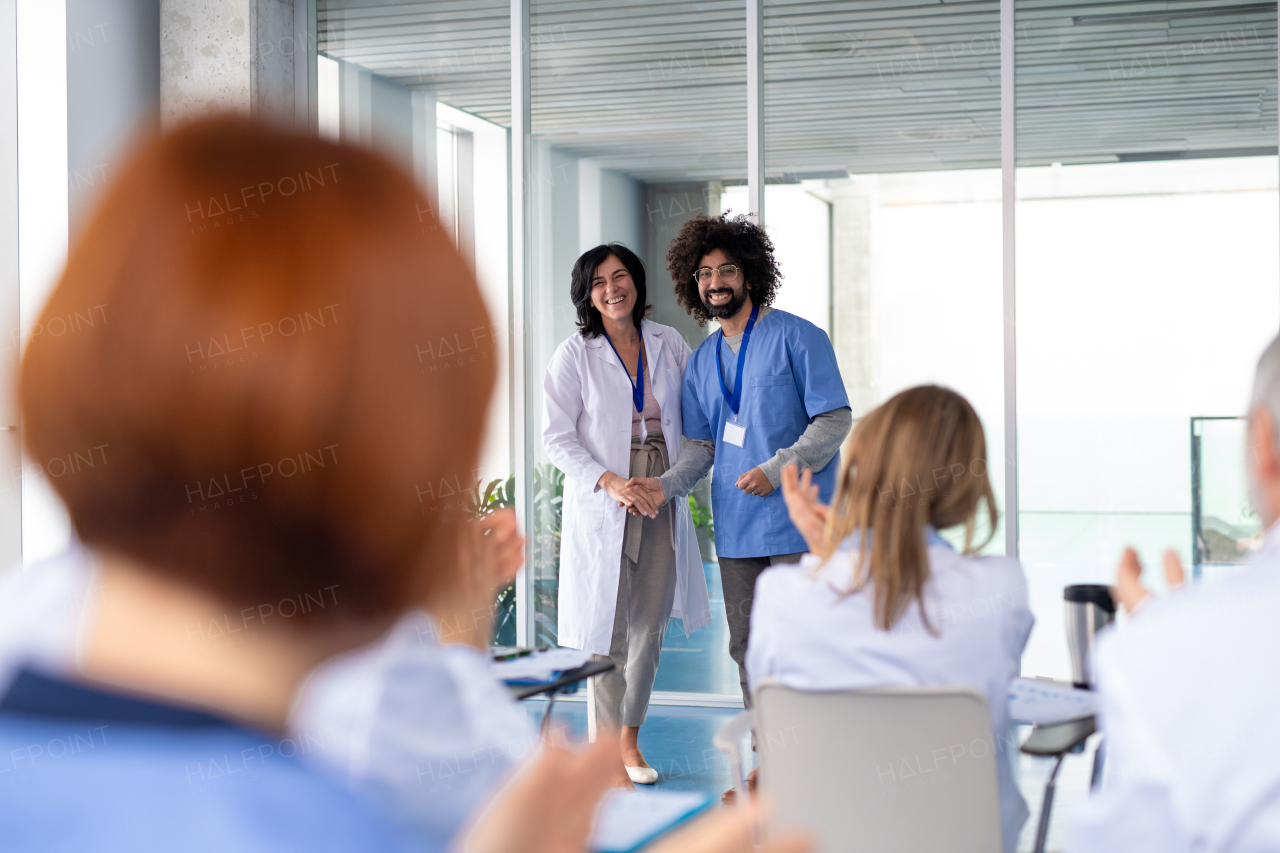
(587, 429)
(805, 635)
(1189, 694)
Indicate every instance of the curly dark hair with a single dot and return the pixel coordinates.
(745, 244)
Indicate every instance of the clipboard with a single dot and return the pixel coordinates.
(628, 820)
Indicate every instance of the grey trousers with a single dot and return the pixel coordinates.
(738, 578)
(646, 590)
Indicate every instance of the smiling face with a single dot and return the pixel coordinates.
(613, 291)
(722, 299)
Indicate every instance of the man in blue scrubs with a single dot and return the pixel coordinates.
(762, 391)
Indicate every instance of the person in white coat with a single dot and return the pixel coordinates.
(1188, 690)
(883, 600)
(612, 397)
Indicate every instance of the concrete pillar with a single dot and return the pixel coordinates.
(667, 207)
(250, 56)
(851, 206)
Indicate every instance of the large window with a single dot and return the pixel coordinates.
(891, 118)
(429, 83)
(1147, 273)
(1146, 232)
(638, 120)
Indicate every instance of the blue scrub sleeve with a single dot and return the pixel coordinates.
(697, 425)
(815, 371)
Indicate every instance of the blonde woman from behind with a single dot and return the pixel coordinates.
(883, 600)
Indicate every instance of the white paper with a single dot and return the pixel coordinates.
(625, 820)
(539, 666)
(1045, 703)
(734, 434)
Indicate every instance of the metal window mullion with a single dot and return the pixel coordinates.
(522, 457)
(755, 109)
(1009, 196)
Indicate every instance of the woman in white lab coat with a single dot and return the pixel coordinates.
(884, 600)
(612, 396)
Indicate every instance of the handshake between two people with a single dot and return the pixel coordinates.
(645, 495)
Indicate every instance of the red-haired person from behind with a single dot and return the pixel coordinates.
(268, 428)
(883, 600)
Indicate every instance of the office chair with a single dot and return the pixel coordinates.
(895, 770)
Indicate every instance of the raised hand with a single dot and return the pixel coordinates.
(808, 514)
(1129, 591)
(490, 554)
(648, 486)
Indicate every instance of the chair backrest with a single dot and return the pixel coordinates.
(881, 771)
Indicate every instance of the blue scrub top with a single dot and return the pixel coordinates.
(87, 770)
(789, 377)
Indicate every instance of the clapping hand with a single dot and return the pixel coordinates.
(808, 514)
(1129, 591)
(490, 554)
(651, 488)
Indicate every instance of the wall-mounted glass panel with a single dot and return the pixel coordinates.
(638, 119)
(889, 118)
(1147, 269)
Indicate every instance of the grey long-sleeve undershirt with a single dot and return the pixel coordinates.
(815, 447)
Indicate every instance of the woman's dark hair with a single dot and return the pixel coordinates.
(589, 320)
(745, 244)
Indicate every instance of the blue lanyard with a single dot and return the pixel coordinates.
(637, 387)
(733, 399)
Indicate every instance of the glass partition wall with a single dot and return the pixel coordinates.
(889, 118)
(1147, 273)
(638, 118)
(1147, 226)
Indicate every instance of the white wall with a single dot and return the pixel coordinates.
(489, 182)
(42, 221)
(10, 444)
(368, 109)
(799, 224)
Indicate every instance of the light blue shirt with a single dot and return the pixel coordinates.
(84, 769)
(789, 376)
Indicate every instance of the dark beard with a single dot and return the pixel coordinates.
(733, 306)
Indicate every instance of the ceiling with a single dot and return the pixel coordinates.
(658, 89)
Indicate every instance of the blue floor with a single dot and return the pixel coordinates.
(700, 663)
(675, 740)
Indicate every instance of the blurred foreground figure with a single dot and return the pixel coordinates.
(1189, 691)
(245, 435)
(260, 422)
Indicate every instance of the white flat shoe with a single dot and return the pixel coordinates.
(642, 775)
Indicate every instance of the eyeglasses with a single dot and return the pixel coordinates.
(728, 274)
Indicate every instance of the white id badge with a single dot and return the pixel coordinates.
(734, 434)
